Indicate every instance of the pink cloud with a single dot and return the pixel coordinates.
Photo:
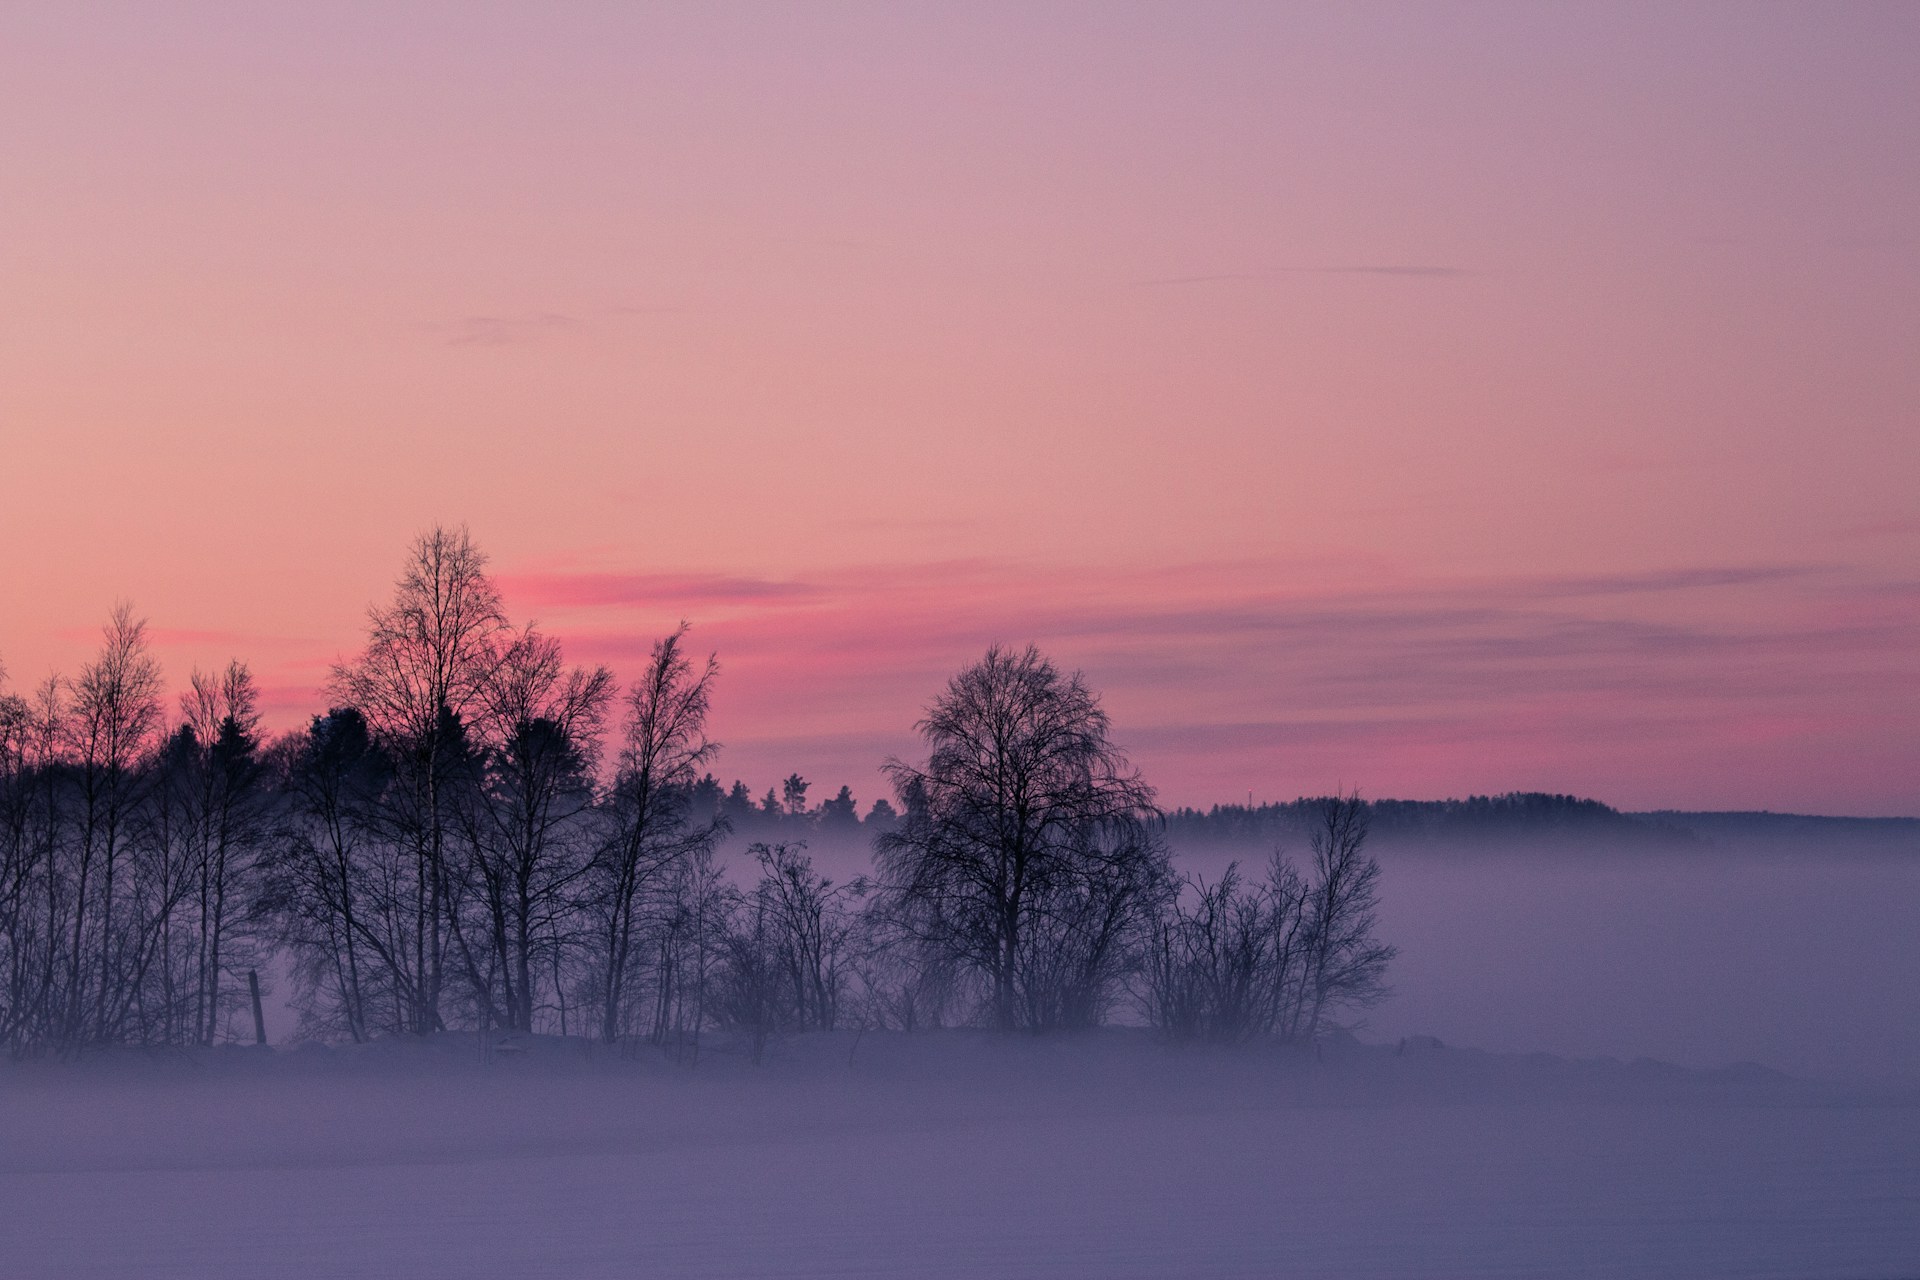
(1635, 687)
(1776, 686)
(591, 590)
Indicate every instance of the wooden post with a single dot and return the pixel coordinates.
(259, 1022)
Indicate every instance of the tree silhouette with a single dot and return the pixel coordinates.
(1028, 853)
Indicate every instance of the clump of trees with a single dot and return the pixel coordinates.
(478, 835)
(1236, 959)
(128, 852)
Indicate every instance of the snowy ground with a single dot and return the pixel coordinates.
(1110, 1156)
(948, 1155)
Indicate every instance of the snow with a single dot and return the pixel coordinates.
(961, 1154)
(947, 1154)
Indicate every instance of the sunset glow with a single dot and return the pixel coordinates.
(1434, 399)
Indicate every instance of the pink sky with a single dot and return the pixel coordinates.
(1427, 398)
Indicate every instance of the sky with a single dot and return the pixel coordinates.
(1431, 399)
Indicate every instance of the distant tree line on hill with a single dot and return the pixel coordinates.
(476, 835)
(1517, 815)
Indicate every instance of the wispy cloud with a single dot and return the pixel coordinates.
(1408, 270)
(1665, 580)
(1220, 669)
(1411, 639)
(1720, 683)
(1398, 269)
(581, 589)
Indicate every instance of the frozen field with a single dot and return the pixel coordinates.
(955, 1154)
(949, 1155)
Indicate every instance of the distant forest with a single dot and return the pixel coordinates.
(1518, 815)
(474, 835)
(785, 814)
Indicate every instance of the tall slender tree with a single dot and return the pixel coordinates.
(224, 802)
(115, 715)
(651, 825)
(429, 656)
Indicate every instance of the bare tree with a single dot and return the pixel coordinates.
(322, 887)
(904, 981)
(1028, 852)
(35, 895)
(785, 948)
(218, 784)
(114, 718)
(1225, 959)
(1234, 960)
(529, 830)
(688, 935)
(749, 988)
(652, 827)
(429, 657)
(23, 871)
(1345, 964)
(810, 921)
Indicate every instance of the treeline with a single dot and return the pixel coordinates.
(784, 812)
(476, 834)
(1517, 815)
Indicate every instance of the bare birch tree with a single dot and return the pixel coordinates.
(1345, 964)
(1028, 852)
(430, 654)
(1233, 960)
(115, 714)
(651, 827)
(530, 831)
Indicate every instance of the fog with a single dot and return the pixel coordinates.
(1496, 1115)
(944, 1154)
(1803, 960)
(1791, 943)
